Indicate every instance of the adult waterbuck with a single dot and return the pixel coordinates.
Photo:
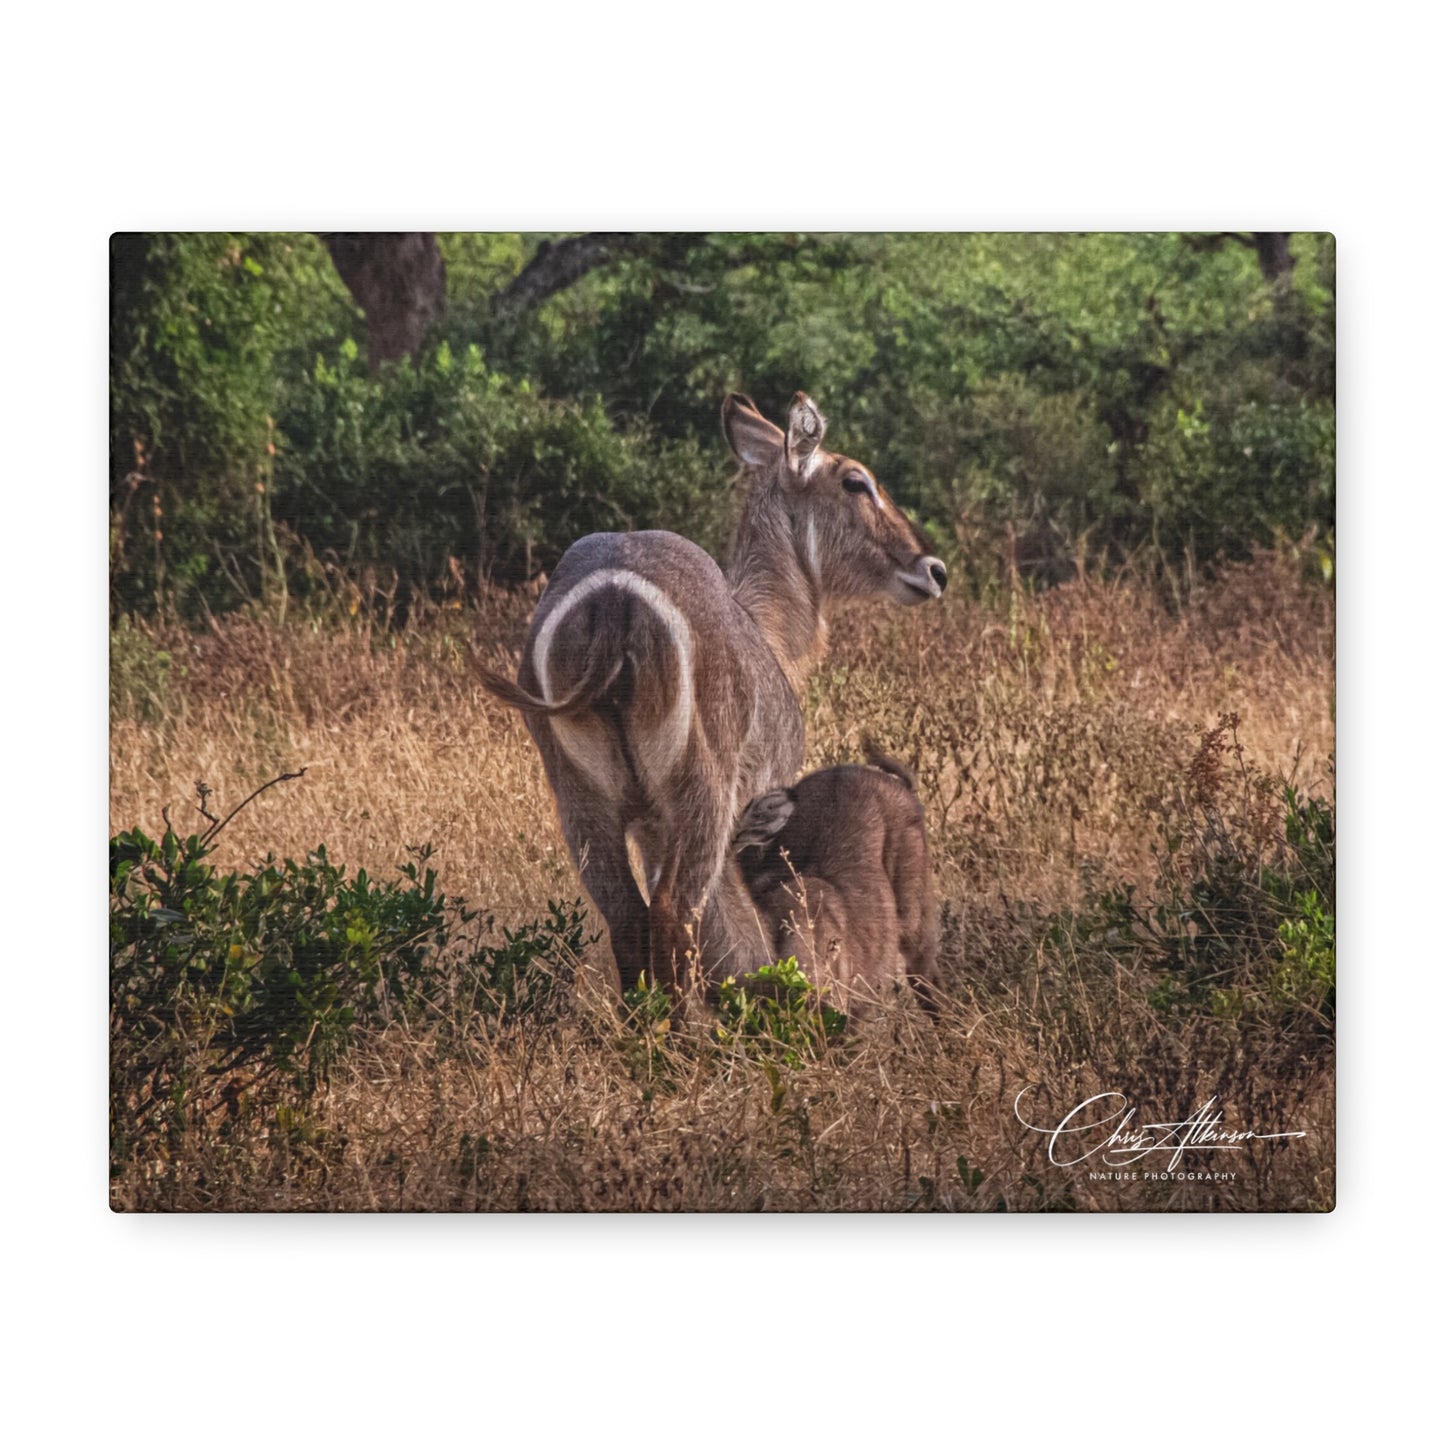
(837, 867)
(660, 692)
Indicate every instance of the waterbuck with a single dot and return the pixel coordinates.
(660, 692)
(837, 867)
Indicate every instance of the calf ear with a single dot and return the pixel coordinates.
(763, 819)
(806, 425)
(754, 440)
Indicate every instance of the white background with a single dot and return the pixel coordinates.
(1226, 116)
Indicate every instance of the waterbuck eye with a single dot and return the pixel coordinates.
(855, 482)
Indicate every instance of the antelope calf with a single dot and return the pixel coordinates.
(838, 870)
(661, 693)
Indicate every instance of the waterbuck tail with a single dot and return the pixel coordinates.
(880, 760)
(601, 673)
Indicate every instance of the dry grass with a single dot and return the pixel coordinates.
(1047, 734)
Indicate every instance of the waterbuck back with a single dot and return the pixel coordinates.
(838, 869)
(660, 692)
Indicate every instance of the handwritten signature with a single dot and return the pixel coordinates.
(1118, 1139)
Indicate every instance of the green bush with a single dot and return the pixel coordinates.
(1222, 476)
(776, 1014)
(647, 1031)
(1239, 922)
(269, 972)
(449, 459)
(530, 973)
(268, 976)
(140, 673)
(204, 327)
(1028, 396)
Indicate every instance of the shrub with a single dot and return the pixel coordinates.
(1034, 397)
(219, 979)
(776, 1014)
(647, 1017)
(203, 327)
(268, 973)
(530, 973)
(1221, 476)
(1239, 924)
(140, 674)
(448, 459)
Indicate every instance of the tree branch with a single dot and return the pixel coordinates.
(558, 264)
(215, 828)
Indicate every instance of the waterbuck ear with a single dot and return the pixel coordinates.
(806, 425)
(763, 818)
(754, 440)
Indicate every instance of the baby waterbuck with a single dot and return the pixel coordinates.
(838, 869)
(660, 693)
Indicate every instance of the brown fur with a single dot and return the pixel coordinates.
(815, 527)
(839, 872)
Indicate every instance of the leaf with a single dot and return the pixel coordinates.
(971, 1177)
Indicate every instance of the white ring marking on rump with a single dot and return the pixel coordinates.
(657, 751)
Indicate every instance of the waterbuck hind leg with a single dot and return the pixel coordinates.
(597, 842)
(668, 941)
(607, 877)
(629, 933)
(693, 898)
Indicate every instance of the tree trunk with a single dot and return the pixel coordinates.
(1275, 260)
(398, 279)
(1271, 250)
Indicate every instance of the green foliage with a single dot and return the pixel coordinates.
(1240, 921)
(529, 974)
(1305, 978)
(419, 464)
(271, 970)
(140, 674)
(1030, 397)
(1221, 478)
(204, 328)
(971, 1175)
(227, 980)
(648, 1005)
(776, 1014)
(647, 1020)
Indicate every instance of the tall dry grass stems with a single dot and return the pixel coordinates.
(1048, 734)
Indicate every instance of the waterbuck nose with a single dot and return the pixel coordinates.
(939, 573)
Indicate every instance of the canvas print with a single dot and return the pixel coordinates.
(722, 722)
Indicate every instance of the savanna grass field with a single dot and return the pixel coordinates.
(352, 965)
(1074, 750)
